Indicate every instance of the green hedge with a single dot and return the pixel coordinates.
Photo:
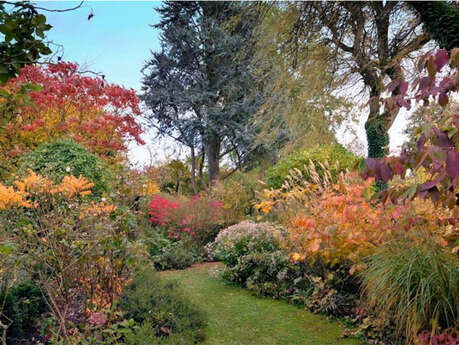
(59, 158)
(332, 153)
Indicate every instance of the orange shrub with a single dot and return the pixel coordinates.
(76, 249)
(342, 221)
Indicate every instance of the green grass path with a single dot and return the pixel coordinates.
(236, 317)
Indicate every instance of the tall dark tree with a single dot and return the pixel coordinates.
(368, 42)
(198, 87)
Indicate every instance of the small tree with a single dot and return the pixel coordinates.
(64, 103)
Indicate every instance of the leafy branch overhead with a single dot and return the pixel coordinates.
(436, 147)
(23, 30)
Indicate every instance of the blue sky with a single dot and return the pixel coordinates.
(116, 42)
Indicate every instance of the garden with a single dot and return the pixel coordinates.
(269, 224)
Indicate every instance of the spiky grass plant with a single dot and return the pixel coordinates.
(416, 284)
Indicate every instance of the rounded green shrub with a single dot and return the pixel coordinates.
(60, 158)
(166, 253)
(333, 154)
(243, 238)
(178, 255)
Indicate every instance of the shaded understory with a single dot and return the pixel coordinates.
(236, 317)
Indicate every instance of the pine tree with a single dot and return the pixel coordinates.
(199, 86)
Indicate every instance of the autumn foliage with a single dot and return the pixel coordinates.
(436, 147)
(54, 225)
(99, 115)
(344, 223)
(343, 220)
(197, 217)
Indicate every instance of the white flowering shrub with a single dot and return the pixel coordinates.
(245, 238)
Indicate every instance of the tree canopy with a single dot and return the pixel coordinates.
(368, 42)
(197, 88)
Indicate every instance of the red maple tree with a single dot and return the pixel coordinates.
(99, 115)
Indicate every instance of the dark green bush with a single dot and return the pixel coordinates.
(155, 238)
(297, 160)
(322, 288)
(63, 157)
(23, 304)
(161, 310)
(415, 285)
(178, 255)
(166, 253)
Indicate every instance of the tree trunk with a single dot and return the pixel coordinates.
(376, 127)
(193, 171)
(213, 160)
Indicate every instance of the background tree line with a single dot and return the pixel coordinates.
(245, 81)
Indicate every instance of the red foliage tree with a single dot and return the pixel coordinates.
(95, 113)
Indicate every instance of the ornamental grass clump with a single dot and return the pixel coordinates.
(417, 285)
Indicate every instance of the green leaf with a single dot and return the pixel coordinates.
(4, 93)
(362, 166)
(412, 190)
(6, 248)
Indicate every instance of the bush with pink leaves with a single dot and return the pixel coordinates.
(198, 217)
(444, 338)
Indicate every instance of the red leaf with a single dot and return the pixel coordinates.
(386, 172)
(452, 164)
(442, 137)
(428, 185)
(398, 167)
(392, 85)
(441, 59)
(404, 88)
(443, 99)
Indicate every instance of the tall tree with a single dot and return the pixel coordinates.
(197, 87)
(368, 43)
(300, 109)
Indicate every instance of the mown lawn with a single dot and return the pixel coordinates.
(236, 317)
